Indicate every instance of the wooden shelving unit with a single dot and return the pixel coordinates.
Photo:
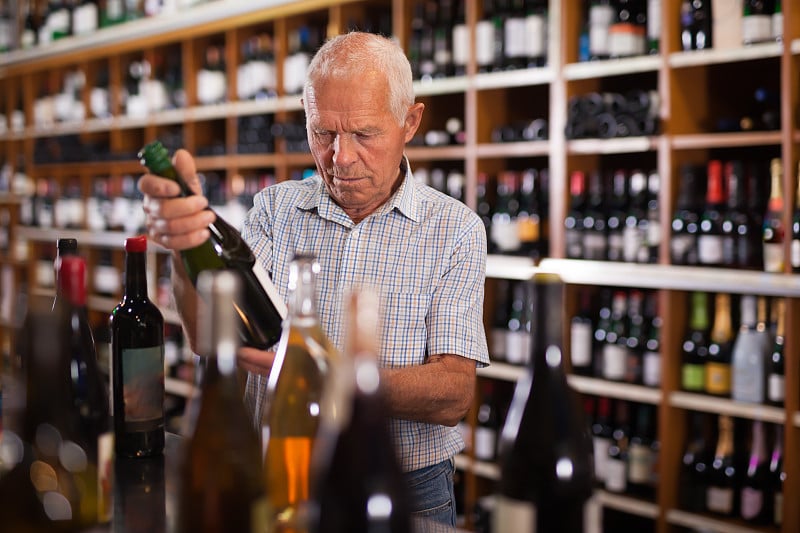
(687, 84)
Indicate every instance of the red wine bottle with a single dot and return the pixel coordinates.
(137, 361)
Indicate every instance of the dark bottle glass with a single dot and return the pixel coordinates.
(615, 348)
(354, 444)
(737, 251)
(709, 241)
(617, 465)
(504, 235)
(643, 453)
(616, 216)
(695, 345)
(221, 485)
(64, 247)
(722, 491)
(685, 220)
(573, 223)
(529, 217)
(261, 310)
(651, 358)
(777, 475)
(487, 426)
(634, 234)
(776, 366)
(137, 361)
(718, 364)
(602, 430)
(755, 504)
(595, 240)
(581, 332)
(794, 256)
(139, 483)
(696, 463)
(545, 445)
(635, 338)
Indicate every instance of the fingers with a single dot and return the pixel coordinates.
(184, 164)
(255, 361)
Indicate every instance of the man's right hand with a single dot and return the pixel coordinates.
(175, 222)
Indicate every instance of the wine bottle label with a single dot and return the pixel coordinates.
(692, 377)
(709, 249)
(600, 447)
(651, 369)
(461, 44)
(484, 42)
(640, 464)
(654, 20)
(509, 516)
(498, 339)
(633, 238)
(106, 279)
(528, 228)
(505, 235)
(485, 443)
(756, 28)
(574, 244)
(776, 387)
(514, 43)
(536, 35)
(718, 378)
(795, 254)
(616, 245)
(211, 86)
(773, 257)
(581, 335)
(719, 499)
(616, 475)
(143, 387)
(683, 248)
(777, 26)
(517, 347)
(777, 501)
(594, 245)
(748, 368)
(752, 502)
(615, 358)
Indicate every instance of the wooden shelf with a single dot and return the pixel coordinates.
(612, 67)
(622, 391)
(701, 58)
(103, 239)
(502, 371)
(725, 406)
(708, 524)
(726, 140)
(627, 504)
(627, 145)
(514, 149)
(514, 78)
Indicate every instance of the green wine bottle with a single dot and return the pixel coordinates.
(259, 306)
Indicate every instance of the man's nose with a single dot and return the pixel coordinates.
(343, 150)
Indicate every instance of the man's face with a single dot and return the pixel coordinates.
(356, 142)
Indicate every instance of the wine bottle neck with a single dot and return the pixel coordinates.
(135, 275)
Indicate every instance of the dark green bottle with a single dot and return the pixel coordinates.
(260, 307)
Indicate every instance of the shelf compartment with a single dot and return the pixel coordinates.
(725, 406)
(627, 504)
(731, 55)
(612, 67)
(456, 84)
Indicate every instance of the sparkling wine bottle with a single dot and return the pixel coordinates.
(259, 307)
(221, 485)
(137, 361)
(545, 445)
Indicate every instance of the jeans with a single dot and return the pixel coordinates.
(432, 496)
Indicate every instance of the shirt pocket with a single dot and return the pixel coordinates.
(404, 329)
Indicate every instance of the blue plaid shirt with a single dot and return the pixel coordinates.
(425, 253)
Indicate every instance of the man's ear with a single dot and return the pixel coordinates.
(413, 120)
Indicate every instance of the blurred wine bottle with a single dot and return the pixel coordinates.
(137, 368)
(221, 484)
(545, 446)
(357, 483)
(294, 395)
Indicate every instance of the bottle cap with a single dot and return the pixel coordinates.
(136, 244)
(72, 279)
(67, 246)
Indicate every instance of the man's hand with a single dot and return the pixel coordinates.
(174, 222)
(255, 361)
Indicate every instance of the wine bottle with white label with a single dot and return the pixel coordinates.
(259, 306)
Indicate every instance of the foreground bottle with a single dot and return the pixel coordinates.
(357, 481)
(259, 305)
(294, 396)
(221, 483)
(137, 361)
(545, 447)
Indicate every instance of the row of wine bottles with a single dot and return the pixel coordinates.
(740, 223)
(733, 467)
(745, 364)
(612, 114)
(613, 216)
(755, 22)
